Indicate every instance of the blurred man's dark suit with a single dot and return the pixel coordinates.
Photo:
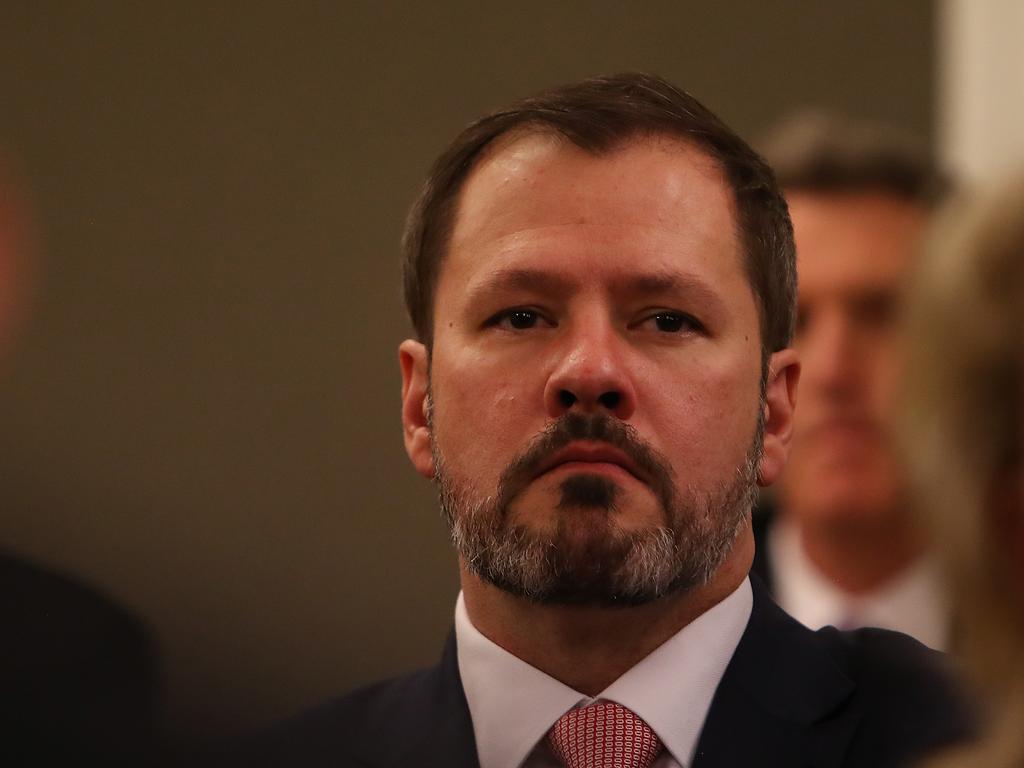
(789, 698)
(78, 674)
(762, 519)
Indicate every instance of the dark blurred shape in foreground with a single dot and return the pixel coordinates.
(78, 673)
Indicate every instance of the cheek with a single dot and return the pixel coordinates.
(708, 427)
(888, 369)
(482, 414)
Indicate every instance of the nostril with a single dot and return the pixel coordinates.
(566, 398)
(610, 400)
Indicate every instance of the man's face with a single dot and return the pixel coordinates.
(854, 252)
(592, 404)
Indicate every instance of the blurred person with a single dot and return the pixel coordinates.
(15, 247)
(839, 545)
(78, 672)
(602, 283)
(964, 433)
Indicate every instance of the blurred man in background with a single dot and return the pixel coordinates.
(841, 546)
(78, 673)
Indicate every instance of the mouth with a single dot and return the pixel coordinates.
(594, 458)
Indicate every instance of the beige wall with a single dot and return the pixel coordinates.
(202, 416)
(981, 88)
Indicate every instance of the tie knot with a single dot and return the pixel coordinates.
(603, 735)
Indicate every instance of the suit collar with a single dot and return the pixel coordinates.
(780, 703)
(513, 705)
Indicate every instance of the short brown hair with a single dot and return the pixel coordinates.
(598, 115)
(818, 151)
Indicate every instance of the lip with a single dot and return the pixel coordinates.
(602, 457)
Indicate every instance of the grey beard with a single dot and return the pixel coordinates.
(612, 567)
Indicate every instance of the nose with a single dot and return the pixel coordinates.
(592, 375)
(830, 354)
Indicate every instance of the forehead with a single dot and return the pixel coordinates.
(644, 180)
(846, 239)
(656, 197)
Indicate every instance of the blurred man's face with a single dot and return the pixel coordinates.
(595, 380)
(854, 253)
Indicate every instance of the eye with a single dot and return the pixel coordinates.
(518, 319)
(521, 319)
(675, 322)
(875, 310)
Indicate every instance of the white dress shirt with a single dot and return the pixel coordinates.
(913, 602)
(513, 705)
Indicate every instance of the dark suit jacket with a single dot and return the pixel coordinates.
(78, 673)
(790, 697)
(761, 520)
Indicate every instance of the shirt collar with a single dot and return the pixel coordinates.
(513, 705)
(911, 602)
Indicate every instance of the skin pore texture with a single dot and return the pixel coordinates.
(843, 486)
(581, 290)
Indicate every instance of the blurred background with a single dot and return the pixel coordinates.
(199, 406)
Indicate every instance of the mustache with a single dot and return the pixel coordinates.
(596, 428)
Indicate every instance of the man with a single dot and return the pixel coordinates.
(601, 279)
(843, 548)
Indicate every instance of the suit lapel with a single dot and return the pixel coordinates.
(781, 700)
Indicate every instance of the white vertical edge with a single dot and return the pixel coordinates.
(981, 87)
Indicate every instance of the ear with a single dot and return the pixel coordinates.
(780, 402)
(412, 357)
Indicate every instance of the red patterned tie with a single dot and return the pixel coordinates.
(603, 735)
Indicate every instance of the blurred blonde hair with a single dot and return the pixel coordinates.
(963, 434)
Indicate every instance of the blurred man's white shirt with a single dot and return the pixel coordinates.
(912, 603)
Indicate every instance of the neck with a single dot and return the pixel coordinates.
(859, 558)
(586, 647)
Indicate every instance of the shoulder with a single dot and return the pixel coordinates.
(885, 659)
(906, 692)
(400, 721)
(864, 698)
(364, 715)
(334, 733)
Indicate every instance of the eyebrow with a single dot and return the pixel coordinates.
(651, 283)
(664, 282)
(522, 280)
